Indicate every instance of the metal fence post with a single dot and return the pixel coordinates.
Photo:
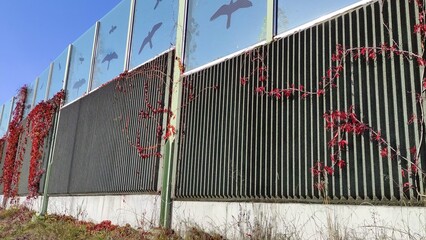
(170, 148)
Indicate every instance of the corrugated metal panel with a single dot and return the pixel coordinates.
(95, 145)
(238, 145)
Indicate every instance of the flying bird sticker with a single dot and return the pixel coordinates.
(229, 9)
(109, 57)
(148, 39)
(77, 85)
(112, 29)
(156, 4)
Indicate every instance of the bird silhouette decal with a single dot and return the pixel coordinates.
(112, 29)
(77, 85)
(59, 66)
(148, 39)
(229, 9)
(109, 57)
(156, 4)
(81, 59)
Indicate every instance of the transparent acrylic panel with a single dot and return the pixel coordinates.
(29, 99)
(5, 119)
(218, 28)
(79, 69)
(58, 74)
(154, 29)
(292, 13)
(43, 80)
(111, 47)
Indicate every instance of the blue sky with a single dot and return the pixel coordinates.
(34, 33)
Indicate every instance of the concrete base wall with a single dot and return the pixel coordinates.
(301, 221)
(137, 210)
(244, 220)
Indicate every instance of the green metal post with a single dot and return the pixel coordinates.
(170, 149)
(270, 6)
(53, 141)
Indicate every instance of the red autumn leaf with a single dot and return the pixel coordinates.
(413, 150)
(412, 119)
(275, 93)
(341, 163)
(402, 173)
(260, 89)
(421, 61)
(414, 168)
(320, 92)
(243, 81)
(171, 130)
(315, 172)
(262, 78)
(424, 83)
(343, 143)
(376, 136)
(329, 170)
(384, 152)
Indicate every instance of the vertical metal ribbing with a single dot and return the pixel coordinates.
(296, 82)
(184, 168)
(369, 33)
(414, 43)
(323, 65)
(337, 181)
(331, 46)
(216, 126)
(209, 137)
(403, 95)
(201, 166)
(235, 147)
(221, 129)
(278, 147)
(354, 81)
(247, 110)
(393, 111)
(311, 80)
(190, 123)
(201, 134)
(267, 136)
(197, 102)
(252, 130)
(347, 97)
(274, 150)
(386, 105)
(293, 127)
(363, 71)
(241, 134)
(258, 136)
(225, 125)
(204, 129)
(288, 159)
(305, 77)
(338, 32)
(377, 101)
(316, 101)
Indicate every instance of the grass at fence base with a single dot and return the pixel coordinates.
(22, 223)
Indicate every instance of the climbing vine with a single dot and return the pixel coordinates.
(39, 125)
(10, 175)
